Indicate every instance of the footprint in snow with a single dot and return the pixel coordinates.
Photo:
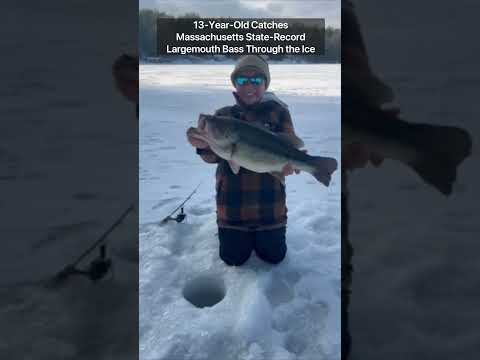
(198, 211)
(300, 325)
(280, 289)
(164, 202)
(61, 232)
(279, 292)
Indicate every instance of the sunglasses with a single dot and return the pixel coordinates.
(254, 80)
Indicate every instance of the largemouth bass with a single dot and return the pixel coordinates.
(255, 148)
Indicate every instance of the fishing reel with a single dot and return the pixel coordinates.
(179, 218)
(97, 270)
(100, 266)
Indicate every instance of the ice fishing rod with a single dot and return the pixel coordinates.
(100, 266)
(180, 217)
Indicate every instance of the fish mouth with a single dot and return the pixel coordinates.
(201, 135)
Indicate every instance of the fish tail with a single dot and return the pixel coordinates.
(441, 150)
(324, 167)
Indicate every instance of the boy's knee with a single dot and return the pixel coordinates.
(272, 256)
(235, 246)
(234, 259)
(271, 246)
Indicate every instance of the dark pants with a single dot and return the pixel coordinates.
(236, 245)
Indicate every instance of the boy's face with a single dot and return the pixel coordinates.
(250, 93)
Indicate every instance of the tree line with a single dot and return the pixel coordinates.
(148, 40)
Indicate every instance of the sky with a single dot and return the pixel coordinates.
(328, 9)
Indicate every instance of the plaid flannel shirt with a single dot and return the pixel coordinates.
(250, 200)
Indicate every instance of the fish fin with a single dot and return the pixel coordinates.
(279, 176)
(324, 168)
(441, 150)
(438, 174)
(234, 166)
(291, 139)
(453, 143)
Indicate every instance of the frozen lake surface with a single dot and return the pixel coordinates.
(290, 311)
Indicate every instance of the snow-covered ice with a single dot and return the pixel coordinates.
(288, 311)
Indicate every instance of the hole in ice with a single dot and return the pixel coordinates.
(205, 290)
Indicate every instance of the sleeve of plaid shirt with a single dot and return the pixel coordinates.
(286, 125)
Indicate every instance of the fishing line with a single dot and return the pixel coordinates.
(96, 270)
(101, 265)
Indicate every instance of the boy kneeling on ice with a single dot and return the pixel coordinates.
(251, 209)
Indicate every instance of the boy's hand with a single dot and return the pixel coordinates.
(357, 155)
(288, 169)
(195, 142)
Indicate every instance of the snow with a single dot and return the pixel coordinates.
(288, 311)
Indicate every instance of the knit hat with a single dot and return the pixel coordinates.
(253, 62)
